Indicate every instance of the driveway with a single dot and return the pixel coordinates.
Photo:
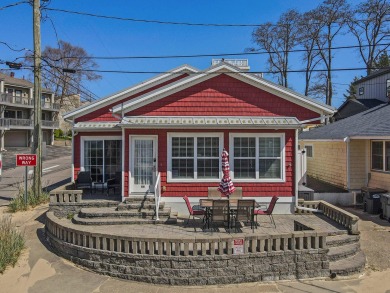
(40, 270)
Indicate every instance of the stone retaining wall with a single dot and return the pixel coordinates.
(200, 260)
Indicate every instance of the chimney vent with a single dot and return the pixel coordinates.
(12, 74)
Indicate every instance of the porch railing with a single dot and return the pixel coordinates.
(157, 194)
(47, 123)
(16, 122)
(11, 99)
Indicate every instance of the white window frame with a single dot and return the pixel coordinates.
(257, 136)
(361, 91)
(383, 155)
(195, 135)
(312, 151)
(91, 138)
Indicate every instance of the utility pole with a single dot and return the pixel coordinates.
(37, 137)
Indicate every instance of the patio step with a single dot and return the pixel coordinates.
(137, 199)
(114, 213)
(342, 239)
(343, 252)
(349, 266)
(139, 205)
(122, 221)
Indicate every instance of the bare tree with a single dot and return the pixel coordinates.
(331, 16)
(65, 84)
(370, 26)
(277, 40)
(309, 31)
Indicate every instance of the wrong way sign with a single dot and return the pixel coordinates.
(26, 160)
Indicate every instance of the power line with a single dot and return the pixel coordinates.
(165, 22)
(219, 72)
(14, 4)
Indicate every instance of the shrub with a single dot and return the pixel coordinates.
(19, 204)
(11, 243)
(58, 133)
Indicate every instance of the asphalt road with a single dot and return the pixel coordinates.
(56, 172)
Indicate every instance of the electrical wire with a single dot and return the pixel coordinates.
(13, 5)
(166, 22)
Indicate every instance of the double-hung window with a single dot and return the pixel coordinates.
(194, 156)
(257, 157)
(380, 155)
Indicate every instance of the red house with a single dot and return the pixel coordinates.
(167, 134)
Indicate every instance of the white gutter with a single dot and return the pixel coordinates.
(296, 178)
(72, 157)
(315, 119)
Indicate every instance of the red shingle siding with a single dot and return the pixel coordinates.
(201, 189)
(104, 114)
(223, 96)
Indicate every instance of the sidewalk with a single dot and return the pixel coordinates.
(40, 270)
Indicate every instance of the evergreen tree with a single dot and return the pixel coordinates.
(351, 91)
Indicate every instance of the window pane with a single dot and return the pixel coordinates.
(208, 168)
(269, 168)
(244, 147)
(182, 168)
(377, 155)
(388, 156)
(245, 168)
(269, 147)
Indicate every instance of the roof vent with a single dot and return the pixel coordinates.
(242, 64)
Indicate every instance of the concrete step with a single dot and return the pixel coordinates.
(136, 199)
(340, 240)
(122, 221)
(114, 213)
(344, 251)
(349, 266)
(139, 205)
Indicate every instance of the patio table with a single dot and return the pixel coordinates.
(207, 204)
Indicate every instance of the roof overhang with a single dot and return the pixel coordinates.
(108, 100)
(233, 72)
(97, 126)
(210, 122)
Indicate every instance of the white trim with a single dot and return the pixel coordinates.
(247, 78)
(261, 199)
(258, 135)
(131, 161)
(108, 100)
(322, 140)
(371, 137)
(91, 138)
(195, 135)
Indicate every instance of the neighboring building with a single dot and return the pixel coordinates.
(353, 152)
(69, 103)
(178, 123)
(17, 113)
(371, 91)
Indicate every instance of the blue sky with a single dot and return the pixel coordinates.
(102, 37)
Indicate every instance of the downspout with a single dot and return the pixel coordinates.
(72, 157)
(296, 178)
(347, 141)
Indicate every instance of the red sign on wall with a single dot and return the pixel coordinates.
(26, 160)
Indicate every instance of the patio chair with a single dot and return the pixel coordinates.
(245, 212)
(84, 181)
(221, 211)
(268, 211)
(114, 183)
(199, 213)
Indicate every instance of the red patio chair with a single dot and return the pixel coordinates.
(268, 211)
(193, 212)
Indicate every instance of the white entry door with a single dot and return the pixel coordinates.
(143, 162)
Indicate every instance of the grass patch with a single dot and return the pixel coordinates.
(11, 243)
(19, 204)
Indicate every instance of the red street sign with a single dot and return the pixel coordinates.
(26, 160)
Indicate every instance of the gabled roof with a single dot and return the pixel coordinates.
(224, 68)
(372, 75)
(372, 123)
(19, 82)
(353, 106)
(108, 100)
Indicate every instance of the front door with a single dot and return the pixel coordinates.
(143, 162)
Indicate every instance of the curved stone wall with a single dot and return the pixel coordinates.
(201, 260)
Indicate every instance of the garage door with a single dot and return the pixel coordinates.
(15, 139)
